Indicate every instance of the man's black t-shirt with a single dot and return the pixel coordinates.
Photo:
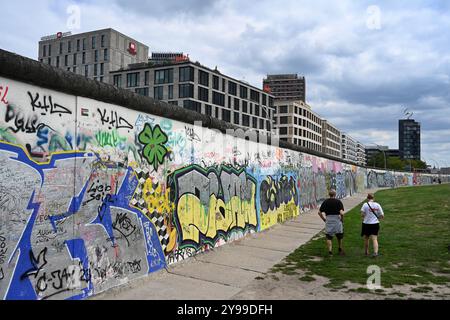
(332, 206)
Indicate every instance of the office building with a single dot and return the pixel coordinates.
(409, 139)
(298, 124)
(349, 148)
(92, 54)
(198, 88)
(286, 87)
(331, 139)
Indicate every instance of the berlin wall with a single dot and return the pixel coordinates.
(94, 194)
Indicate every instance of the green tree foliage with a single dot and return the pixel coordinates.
(395, 163)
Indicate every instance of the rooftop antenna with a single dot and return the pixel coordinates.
(408, 114)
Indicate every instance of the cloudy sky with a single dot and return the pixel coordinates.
(365, 61)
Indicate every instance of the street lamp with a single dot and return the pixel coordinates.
(384, 153)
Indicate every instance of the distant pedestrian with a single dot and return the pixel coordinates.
(440, 181)
(371, 213)
(334, 221)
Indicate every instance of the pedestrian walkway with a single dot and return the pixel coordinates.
(223, 272)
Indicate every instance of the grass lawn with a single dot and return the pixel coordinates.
(414, 243)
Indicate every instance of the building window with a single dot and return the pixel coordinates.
(66, 60)
(170, 92)
(44, 49)
(261, 123)
(74, 59)
(244, 106)
(243, 92)
(203, 78)
(102, 69)
(284, 120)
(218, 99)
(57, 62)
(232, 88)
(86, 71)
(192, 105)
(203, 94)
(159, 93)
(208, 110)
(186, 91)
(142, 91)
(226, 115)
(49, 61)
(283, 130)
(268, 126)
(103, 41)
(96, 56)
(236, 104)
(215, 82)
(257, 110)
(84, 44)
(255, 123)
(61, 44)
(74, 69)
(83, 58)
(264, 100)
(133, 79)
(223, 85)
(164, 76)
(94, 40)
(186, 74)
(69, 47)
(254, 96)
(105, 55)
(78, 45)
(245, 120)
(49, 49)
(236, 118)
(146, 78)
(217, 113)
(117, 80)
(95, 70)
(283, 109)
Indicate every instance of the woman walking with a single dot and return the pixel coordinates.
(371, 213)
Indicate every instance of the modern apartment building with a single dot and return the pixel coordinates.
(361, 158)
(349, 148)
(195, 87)
(331, 139)
(298, 124)
(92, 54)
(286, 87)
(409, 139)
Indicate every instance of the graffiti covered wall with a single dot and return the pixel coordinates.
(93, 195)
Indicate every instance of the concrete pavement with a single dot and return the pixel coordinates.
(222, 273)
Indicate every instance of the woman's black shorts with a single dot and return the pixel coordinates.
(370, 229)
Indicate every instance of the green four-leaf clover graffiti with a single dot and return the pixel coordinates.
(154, 141)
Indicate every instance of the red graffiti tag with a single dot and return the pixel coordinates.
(3, 94)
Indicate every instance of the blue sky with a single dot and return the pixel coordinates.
(364, 61)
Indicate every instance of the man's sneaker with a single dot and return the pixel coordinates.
(375, 255)
(330, 253)
(341, 252)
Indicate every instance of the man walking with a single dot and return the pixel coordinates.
(372, 213)
(334, 226)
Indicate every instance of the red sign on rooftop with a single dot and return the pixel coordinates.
(132, 49)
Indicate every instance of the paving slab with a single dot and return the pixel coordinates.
(215, 273)
(166, 286)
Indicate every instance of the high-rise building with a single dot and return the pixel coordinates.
(298, 124)
(193, 86)
(92, 54)
(286, 87)
(409, 139)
